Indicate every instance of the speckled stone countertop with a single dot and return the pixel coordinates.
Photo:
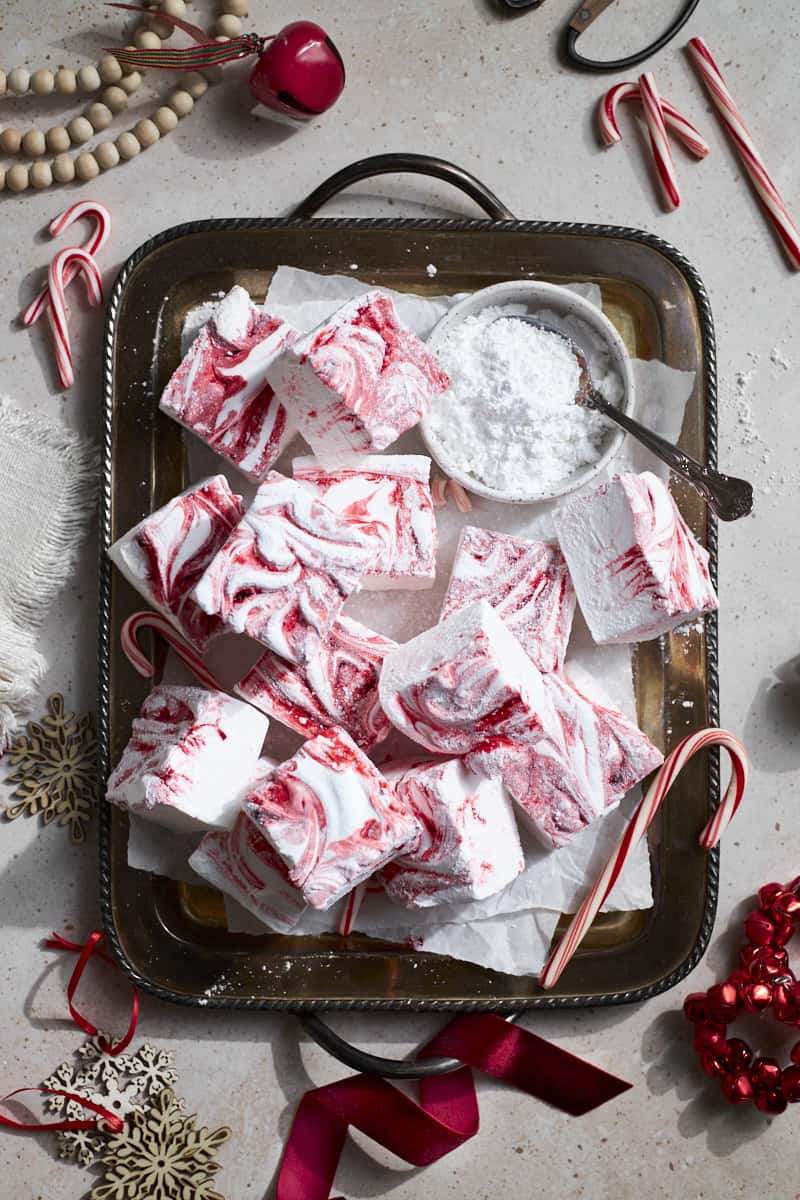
(457, 79)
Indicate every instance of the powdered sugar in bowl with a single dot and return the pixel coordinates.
(507, 428)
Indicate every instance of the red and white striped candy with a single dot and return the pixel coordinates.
(675, 121)
(439, 491)
(351, 909)
(77, 259)
(754, 164)
(668, 773)
(659, 143)
(93, 244)
(129, 638)
(463, 502)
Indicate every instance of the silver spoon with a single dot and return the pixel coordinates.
(729, 498)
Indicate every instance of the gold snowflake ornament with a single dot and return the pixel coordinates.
(56, 773)
(159, 1154)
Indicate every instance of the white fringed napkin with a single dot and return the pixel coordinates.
(48, 483)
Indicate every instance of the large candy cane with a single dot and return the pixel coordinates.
(659, 143)
(94, 243)
(78, 260)
(676, 122)
(129, 638)
(351, 909)
(754, 164)
(672, 767)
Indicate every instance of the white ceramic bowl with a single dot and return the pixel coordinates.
(555, 305)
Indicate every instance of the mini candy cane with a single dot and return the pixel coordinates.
(659, 143)
(351, 909)
(672, 767)
(94, 243)
(754, 164)
(675, 121)
(439, 492)
(79, 260)
(129, 637)
(463, 502)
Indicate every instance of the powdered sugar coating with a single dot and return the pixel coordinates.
(468, 678)
(165, 555)
(468, 848)
(220, 390)
(190, 757)
(388, 497)
(563, 783)
(242, 864)
(527, 583)
(332, 817)
(637, 568)
(338, 685)
(286, 570)
(359, 380)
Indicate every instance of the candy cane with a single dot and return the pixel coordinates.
(351, 909)
(463, 502)
(439, 492)
(753, 163)
(129, 637)
(675, 121)
(659, 143)
(93, 244)
(671, 768)
(79, 260)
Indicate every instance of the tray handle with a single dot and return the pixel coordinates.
(408, 164)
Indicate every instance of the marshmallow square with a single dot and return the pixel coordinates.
(338, 685)
(637, 568)
(190, 759)
(389, 498)
(332, 817)
(165, 554)
(459, 683)
(359, 380)
(286, 570)
(220, 390)
(242, 864)
(468, 847)
(527, 583)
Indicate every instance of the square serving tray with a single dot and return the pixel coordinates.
(171, 938)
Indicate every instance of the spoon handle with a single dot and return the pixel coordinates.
(728, 497)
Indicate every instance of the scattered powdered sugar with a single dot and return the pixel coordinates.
(431, 270)
(509, 418)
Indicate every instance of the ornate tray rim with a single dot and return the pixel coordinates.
(460, 225)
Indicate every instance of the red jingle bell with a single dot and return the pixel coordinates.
(766, 1074)
(746, 956)
(768, 962)
(769, 892)
(790, 1083)
(786, 907)
(770, 1102)
(737, 1089)
(710, 1039)
(794, 886)
(783, 932)
(782, 1005)
(738, 1055)
(723, 1001)
(695, 1008)
(713, 1065)
(758, 928)
(739, 976)
(756, 996)
(300, 73)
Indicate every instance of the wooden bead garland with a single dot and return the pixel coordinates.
(115, 84)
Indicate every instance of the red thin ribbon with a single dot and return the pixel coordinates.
(93, 948)
(447, 1114)
(114, 1121)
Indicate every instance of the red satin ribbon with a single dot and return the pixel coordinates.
(447, 1114)
(114, 1122)
(93, 948)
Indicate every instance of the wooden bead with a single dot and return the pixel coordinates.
(42, 83)
(128, 146)
(58, 139)
(18, 82)
(64, 168)
(99, 115)
(10, 141)
(33, 143)
(181, 103)
(146, 133)
(131, 83)
(228, 26)
(17, 178)
(165, 120)
(194, 83)
(173, 8)
(109, 69)
(145, 39)
(237, 8)
(3, 83)
(162, 29)
(66, 81)
(115, 99)
(80, 130)
(41, 175)
(88, 79)
(107, 156)
(86, 166)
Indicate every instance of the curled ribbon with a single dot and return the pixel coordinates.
(93, 947)
(114, 1122)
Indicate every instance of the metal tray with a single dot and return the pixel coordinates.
(171, 938)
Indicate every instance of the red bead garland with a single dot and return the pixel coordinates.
(762, 980)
